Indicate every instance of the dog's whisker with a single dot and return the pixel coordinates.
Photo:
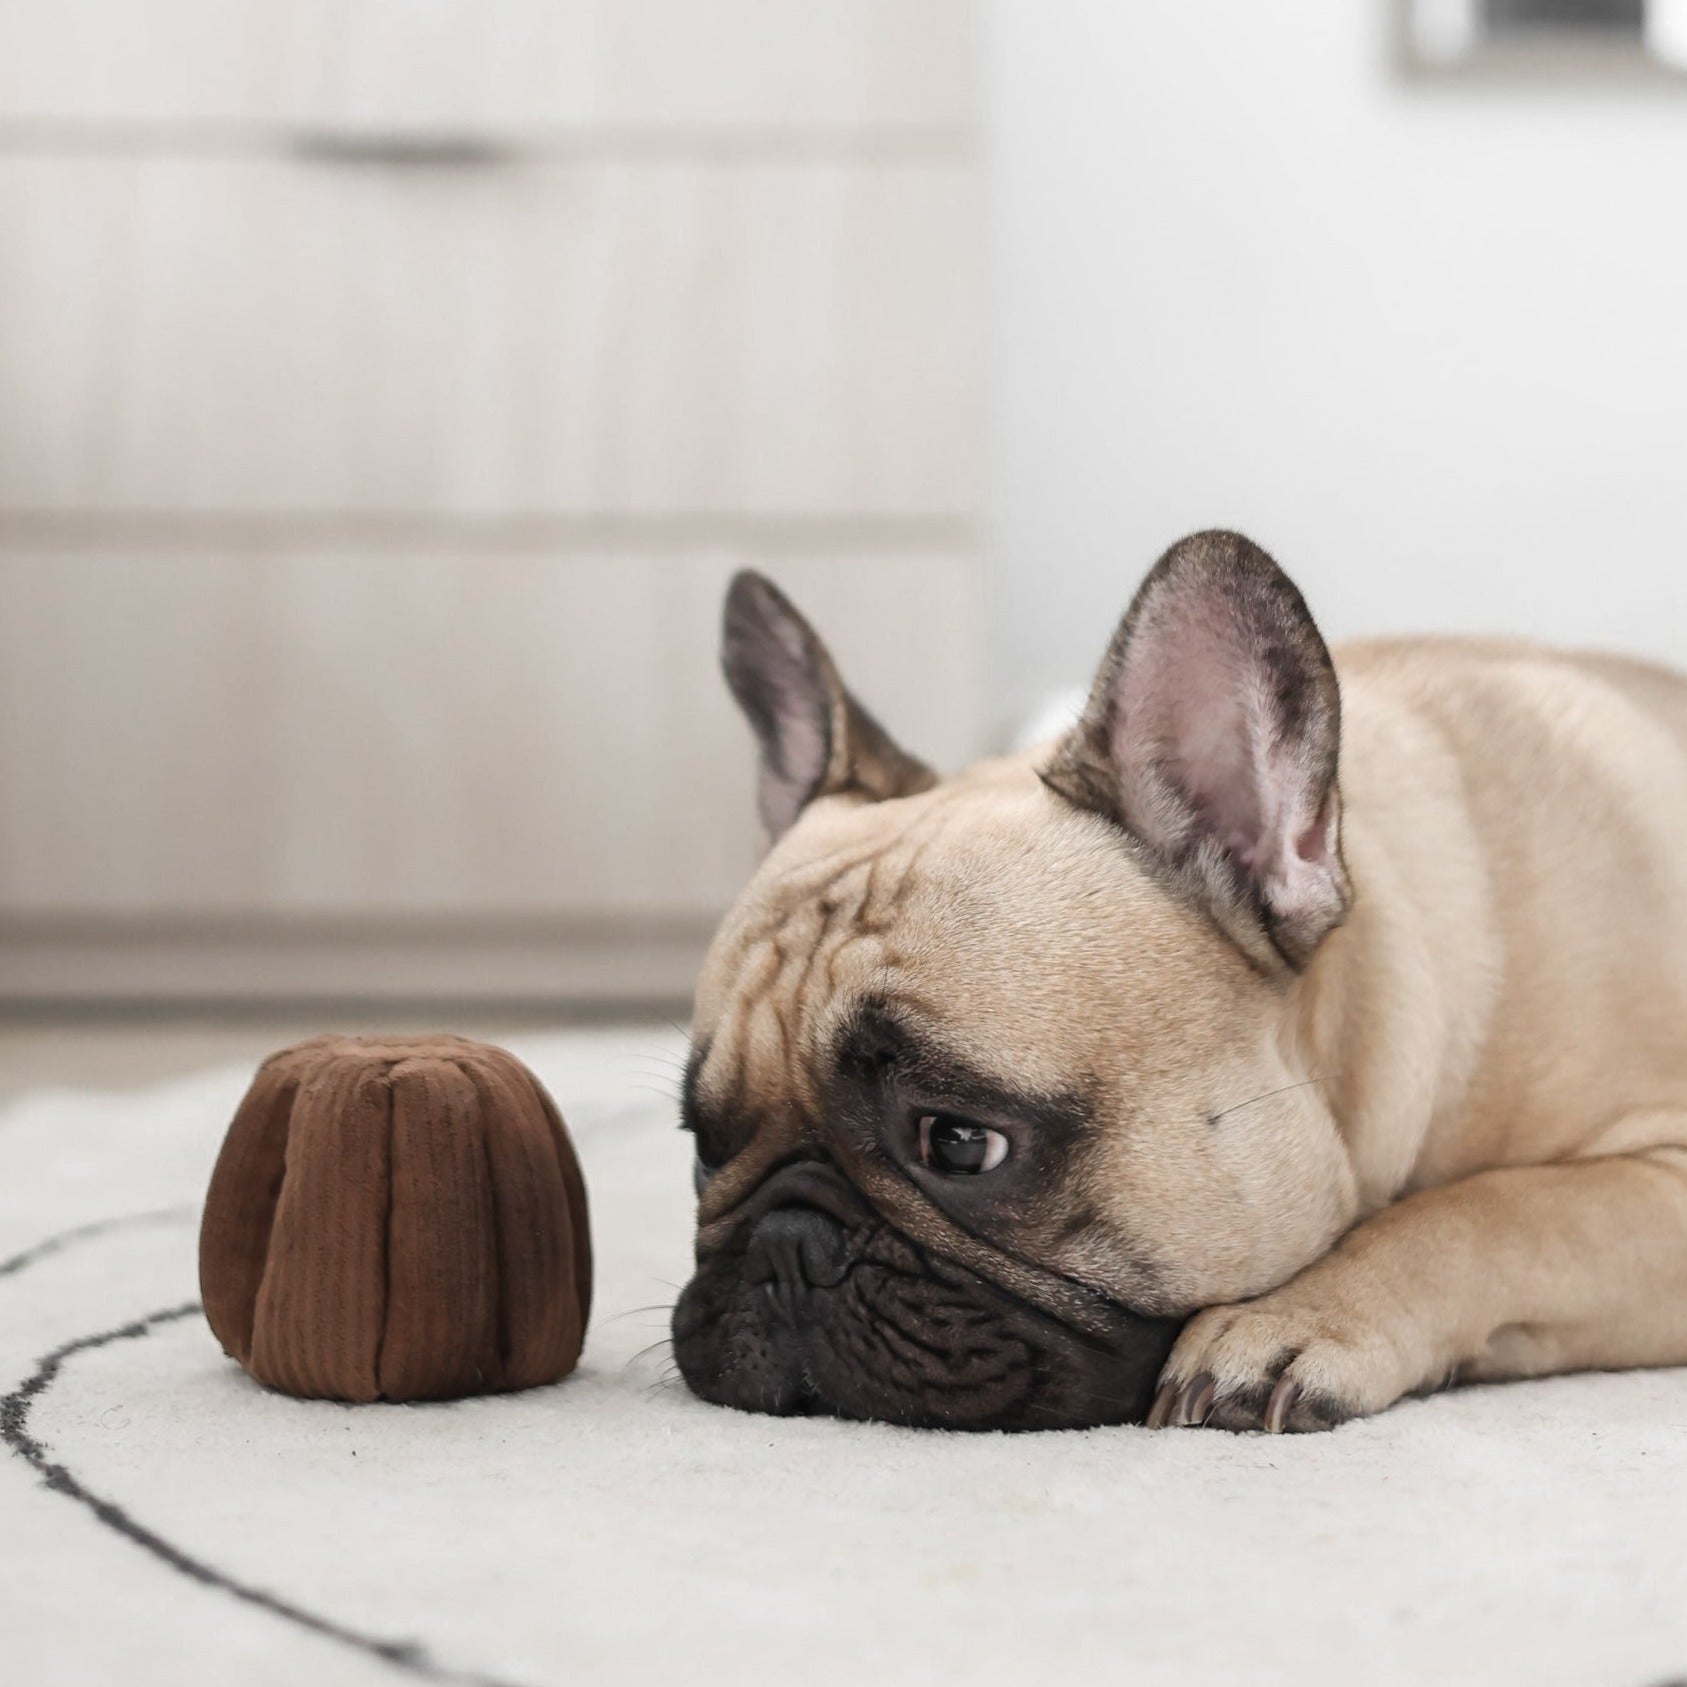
(643, 1352)
(659, 1074)
(653, 1058)
(1224, 1113)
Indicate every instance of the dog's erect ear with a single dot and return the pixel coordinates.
(816, 740)
(1212, 735)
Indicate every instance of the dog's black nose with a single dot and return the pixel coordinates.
(792, 1250)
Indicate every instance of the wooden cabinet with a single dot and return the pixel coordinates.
(277, 336)
(328, 733)
(738, 69)
(387, 393)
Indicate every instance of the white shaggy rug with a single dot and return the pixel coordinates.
(165, 1521)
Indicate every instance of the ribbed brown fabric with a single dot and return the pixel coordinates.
(397, 1218)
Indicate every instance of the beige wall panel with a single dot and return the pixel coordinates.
(182, 334)
(491, 65)
(441, 735)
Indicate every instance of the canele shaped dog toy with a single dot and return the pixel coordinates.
(397, 1218)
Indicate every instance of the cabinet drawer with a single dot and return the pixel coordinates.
(489, 65)
(250, 335)
(331, 734)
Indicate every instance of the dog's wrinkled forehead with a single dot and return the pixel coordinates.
(977, 908)
(823, 923)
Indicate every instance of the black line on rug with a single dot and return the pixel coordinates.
(409, 1656)
(86, 1232)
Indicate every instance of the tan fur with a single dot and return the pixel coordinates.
(1456, 1142)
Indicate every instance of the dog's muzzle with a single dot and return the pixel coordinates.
(818, 1305)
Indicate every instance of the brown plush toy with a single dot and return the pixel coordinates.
(397, 1218)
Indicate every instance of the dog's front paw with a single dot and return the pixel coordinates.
(1288, 1361)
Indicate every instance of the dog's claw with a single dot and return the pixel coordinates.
(1159, 1414)
(1197, 1401)
(1281, 1403)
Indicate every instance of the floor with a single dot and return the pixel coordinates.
(168, 1523)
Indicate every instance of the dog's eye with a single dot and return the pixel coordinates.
(959, 1148)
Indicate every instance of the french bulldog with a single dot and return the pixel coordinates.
(1296, 1034)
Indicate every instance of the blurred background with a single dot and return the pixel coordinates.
(388, 389)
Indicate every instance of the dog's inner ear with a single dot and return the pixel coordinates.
(816, 740)
(1212, 735)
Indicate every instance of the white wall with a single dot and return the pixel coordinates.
(1427, 342)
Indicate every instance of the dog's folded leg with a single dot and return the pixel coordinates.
(1518, 1272)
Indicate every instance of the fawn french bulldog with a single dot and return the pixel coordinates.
(1298, 1033)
